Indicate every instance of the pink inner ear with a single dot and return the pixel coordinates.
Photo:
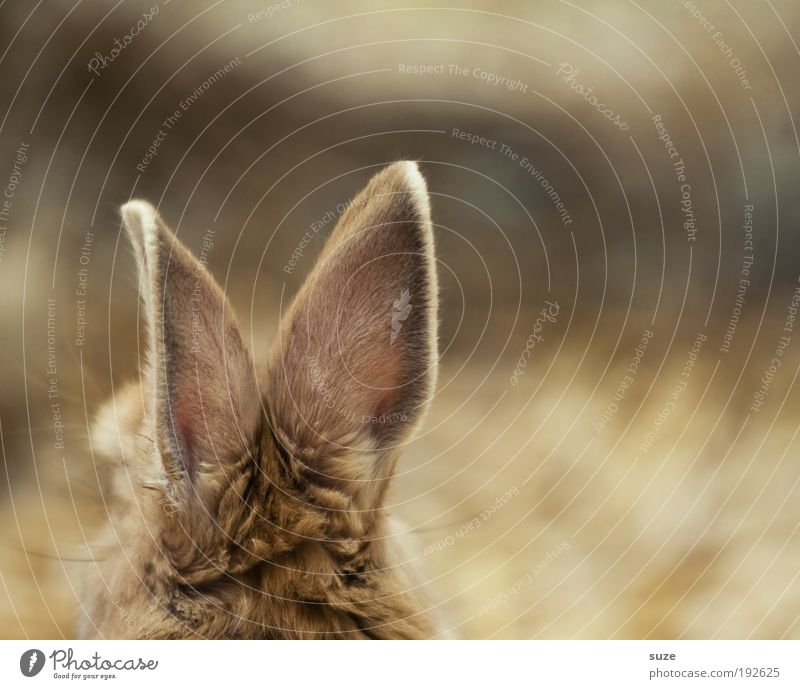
(387, 394)
(183, 419)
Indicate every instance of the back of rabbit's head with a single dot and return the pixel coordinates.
(247, 487)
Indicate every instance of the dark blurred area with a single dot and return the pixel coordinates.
(608, 157)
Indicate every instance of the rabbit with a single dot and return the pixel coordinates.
(248, 499)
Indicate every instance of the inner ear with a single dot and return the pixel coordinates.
(205, 402)
(355, 363)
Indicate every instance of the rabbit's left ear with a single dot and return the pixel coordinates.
(204, 397)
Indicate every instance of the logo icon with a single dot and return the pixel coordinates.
(31, 662)
(401, 308)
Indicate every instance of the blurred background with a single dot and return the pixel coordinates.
(626, 466)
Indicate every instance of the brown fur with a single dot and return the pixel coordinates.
(249, 506)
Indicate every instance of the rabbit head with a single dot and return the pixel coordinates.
(249, 487)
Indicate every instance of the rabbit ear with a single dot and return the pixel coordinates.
(355, 363)
(205, 402)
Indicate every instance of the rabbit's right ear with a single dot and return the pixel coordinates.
(355, 364)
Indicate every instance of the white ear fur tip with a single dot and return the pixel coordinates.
(138, 216)
(417, 186)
